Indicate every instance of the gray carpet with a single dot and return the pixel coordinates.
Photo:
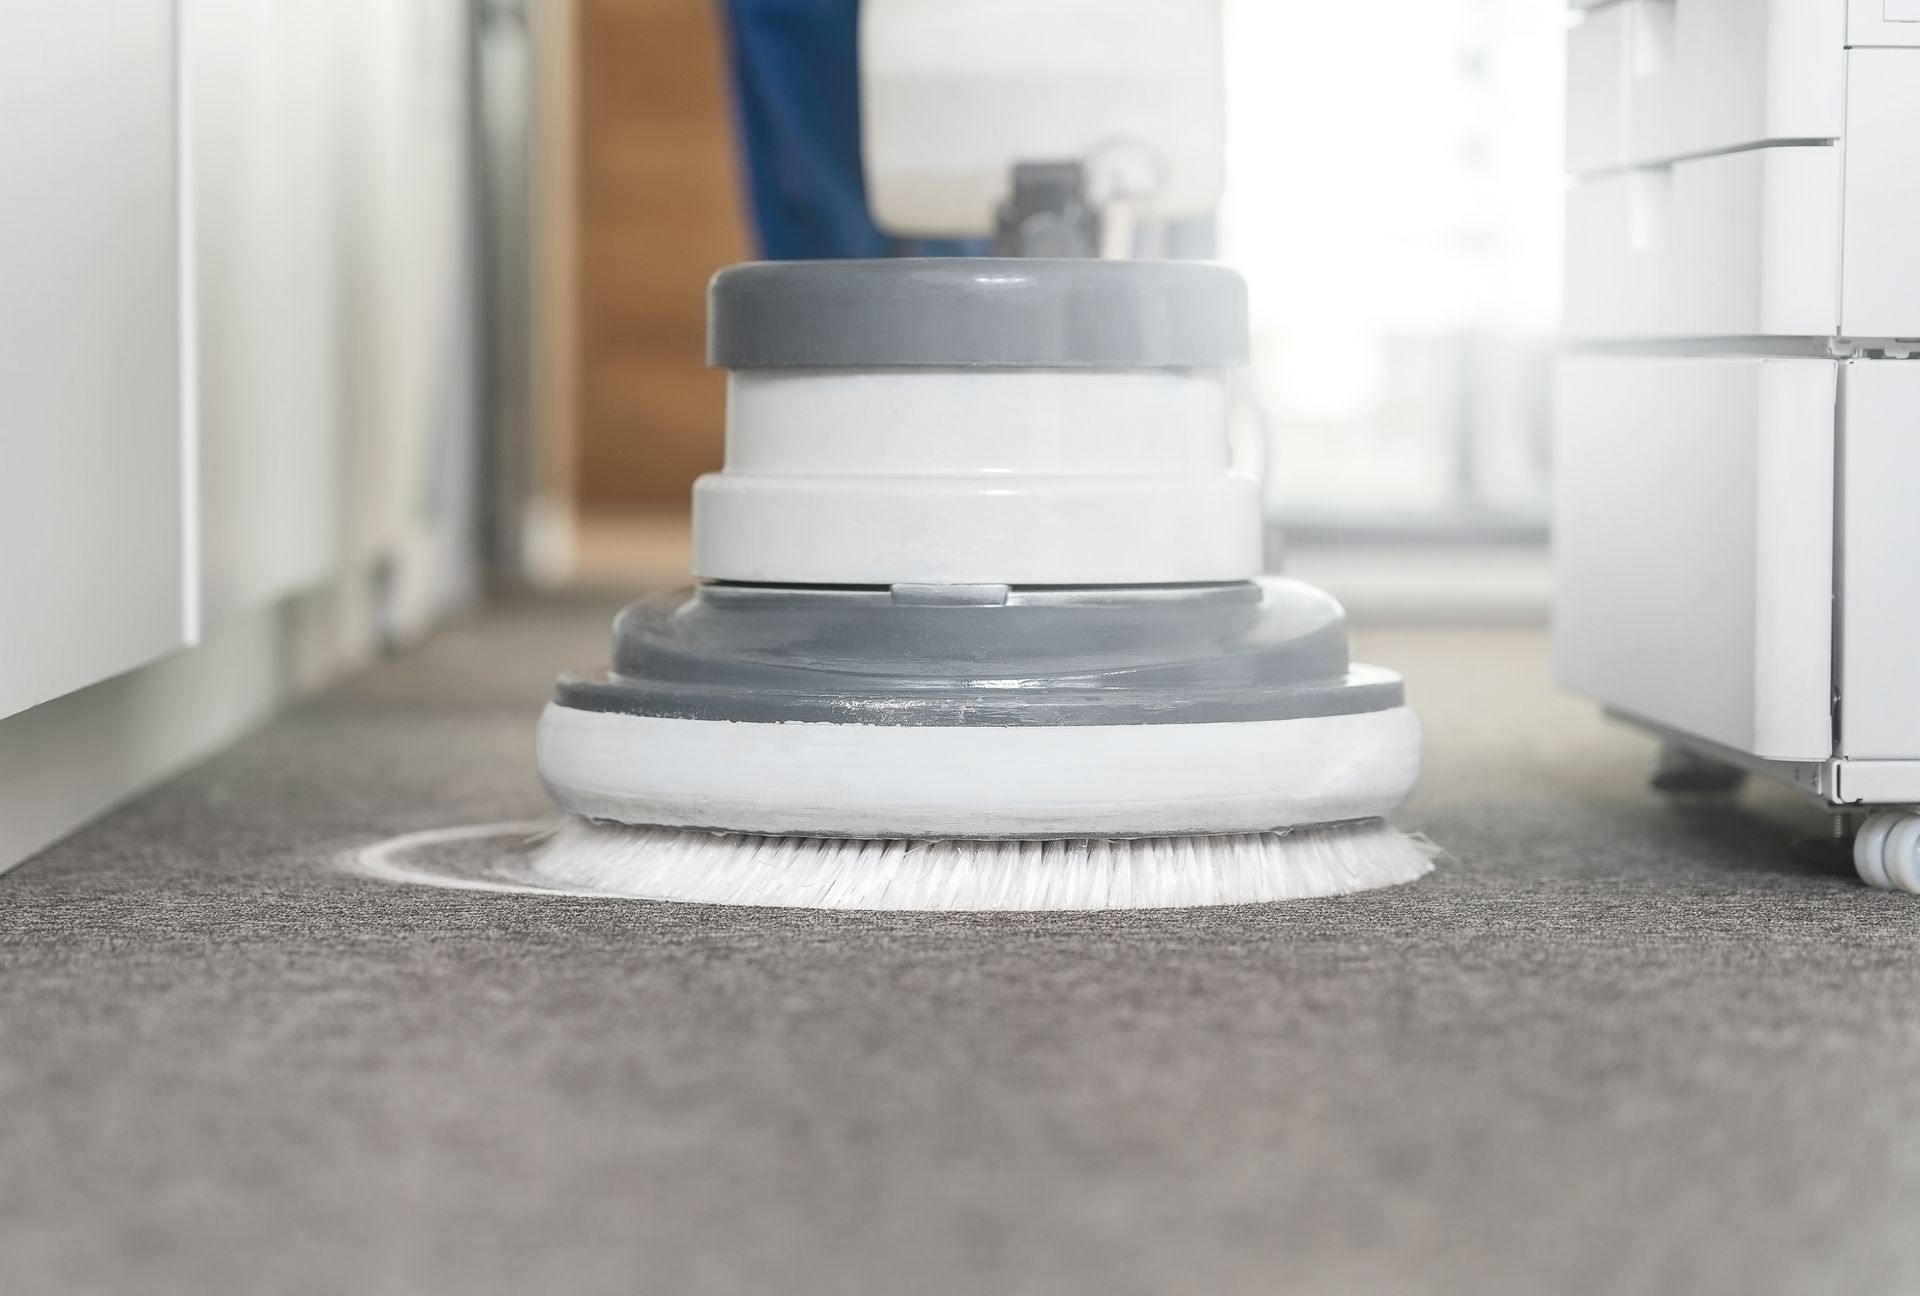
(1611, 1046)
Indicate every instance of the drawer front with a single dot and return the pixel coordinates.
(1740, 245)
(1880, 613)
(1882, 264)
(1655, 80)
(1883, 22)
(1693, 544)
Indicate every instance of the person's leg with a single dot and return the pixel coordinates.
(796, 83)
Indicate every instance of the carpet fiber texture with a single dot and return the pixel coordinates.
(1610, 1045)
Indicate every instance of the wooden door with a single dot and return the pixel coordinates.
(659, 211)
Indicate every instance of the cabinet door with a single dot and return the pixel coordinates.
(1693, 544)
(1880, 626)
(263, 83)
(93, 577)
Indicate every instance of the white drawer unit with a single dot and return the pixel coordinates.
(1650, 81)
(1743, 169)
(1738, 416)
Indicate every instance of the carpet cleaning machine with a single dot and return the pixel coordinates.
(982, 618)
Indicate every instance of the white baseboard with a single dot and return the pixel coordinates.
(66, 762)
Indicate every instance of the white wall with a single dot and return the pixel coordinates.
(237, 451)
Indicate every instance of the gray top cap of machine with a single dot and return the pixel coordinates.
(977, 312)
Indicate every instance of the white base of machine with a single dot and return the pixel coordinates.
(1886, 845)
(1029, 782)
(1841, 782)
(1098, 477)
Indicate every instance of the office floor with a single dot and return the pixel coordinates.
(1610, 1046)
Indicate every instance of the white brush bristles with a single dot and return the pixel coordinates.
(849, 873)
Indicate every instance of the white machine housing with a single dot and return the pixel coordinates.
(956, 93)
(1738, 417)
(1025, 476)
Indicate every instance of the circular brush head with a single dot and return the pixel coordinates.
(578, 858)
(854, 873)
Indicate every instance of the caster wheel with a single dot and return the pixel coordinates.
(1869, 847)
(1902, 854)
(1886, 853)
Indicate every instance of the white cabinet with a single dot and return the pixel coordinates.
(1738, 425)
(1744, 169)
(1709, 564)
(234, 286)
(93, 580)
(330, 195)
(266, 272)
(237, 429)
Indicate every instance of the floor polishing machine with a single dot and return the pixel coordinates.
(981, 620)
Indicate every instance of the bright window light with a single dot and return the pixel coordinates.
(1394, 199)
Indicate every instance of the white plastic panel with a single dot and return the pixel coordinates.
(980, 424)
(1709, 75)
(1883, 22)
(92, 565)
(1597, 71)
(955, 92)
(1027, 477)
(1693, 539)
(402, 119)
(1882, 268)
(1876, 782)
(1654, 80)
(1738, 245)
(1880, 631)
(266, 199)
